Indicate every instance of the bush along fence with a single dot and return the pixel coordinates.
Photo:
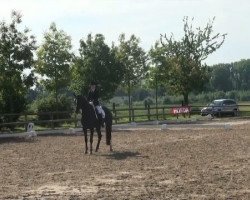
(54, 120)
(45, 120)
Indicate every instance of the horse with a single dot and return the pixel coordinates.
(91, 120)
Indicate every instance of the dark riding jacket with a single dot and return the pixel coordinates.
(94, 97)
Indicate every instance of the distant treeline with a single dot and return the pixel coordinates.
(228, 77)
(227, 80)
(142, 96)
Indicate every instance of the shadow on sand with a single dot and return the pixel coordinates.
(17, 140)
(124, 155)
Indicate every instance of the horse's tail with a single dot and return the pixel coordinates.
(108, 122)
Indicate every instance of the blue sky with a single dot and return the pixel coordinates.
(147, 19)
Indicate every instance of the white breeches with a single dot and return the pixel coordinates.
(100, 111)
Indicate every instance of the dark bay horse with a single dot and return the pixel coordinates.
(90, 121)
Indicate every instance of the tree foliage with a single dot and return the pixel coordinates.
(16, 55)
(240, 73)
(181, 61)
(97, 62)
(221, 79)
(54, 59)
(134, 60)
(230, 76)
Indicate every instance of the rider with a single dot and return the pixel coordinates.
(93, 96)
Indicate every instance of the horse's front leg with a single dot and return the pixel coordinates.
(98, 130)
(91, 140)
(86, 140)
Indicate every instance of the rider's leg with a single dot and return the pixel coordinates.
(101, 111)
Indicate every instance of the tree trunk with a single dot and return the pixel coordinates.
(185, 96)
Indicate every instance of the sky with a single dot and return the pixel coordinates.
(147, 19)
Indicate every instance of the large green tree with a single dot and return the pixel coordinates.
(221, 77)
(181, 62)
(134, 59)
(16, 55)
(98, 62)
(54, 58)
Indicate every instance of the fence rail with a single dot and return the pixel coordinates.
(53, 120)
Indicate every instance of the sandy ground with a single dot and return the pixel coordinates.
(174, 163)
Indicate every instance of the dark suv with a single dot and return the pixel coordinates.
(221, 107)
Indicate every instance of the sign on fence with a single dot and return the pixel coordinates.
(180, 110)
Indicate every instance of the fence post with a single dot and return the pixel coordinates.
(52, 119)
(114, 111)
(148, 112)
(129, 113)
(26, 119)
(75, 119)
(133, 114)
(157, 117)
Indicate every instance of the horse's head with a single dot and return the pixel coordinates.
(81, 102)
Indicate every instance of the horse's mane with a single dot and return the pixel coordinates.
(83, 103)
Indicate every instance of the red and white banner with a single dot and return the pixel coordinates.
(181, 109)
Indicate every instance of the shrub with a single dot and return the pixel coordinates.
(167, 100)
(244, 96)
(232, 94)
(148, 101)
(48, 104)
(219, 95)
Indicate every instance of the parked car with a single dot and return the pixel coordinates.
(221, 107)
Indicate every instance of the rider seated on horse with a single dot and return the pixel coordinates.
(93, 97)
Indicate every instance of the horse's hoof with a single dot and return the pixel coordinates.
(86, 152)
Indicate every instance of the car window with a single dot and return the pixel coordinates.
(232, 102)
(217, 103)
(226, 102)
(229, 102)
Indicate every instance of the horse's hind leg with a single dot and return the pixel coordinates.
(91, 140)
(86, 141)
(98, 130)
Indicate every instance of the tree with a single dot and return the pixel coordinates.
(98, 62)
(54, 59)
(181, 62)
(134, 60)
(241, 74)
(221, 77)
(16, 55)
